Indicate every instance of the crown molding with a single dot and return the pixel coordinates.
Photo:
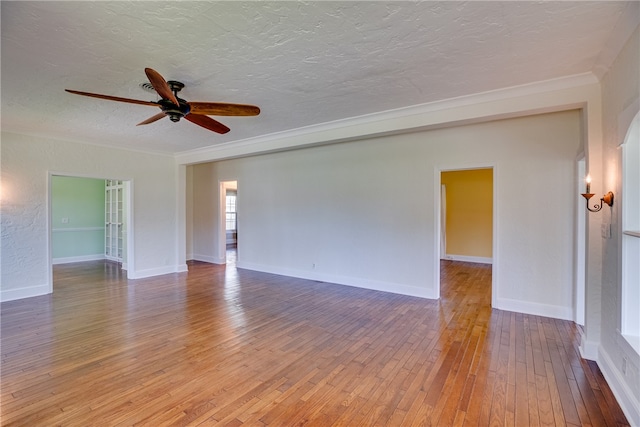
(502, 103)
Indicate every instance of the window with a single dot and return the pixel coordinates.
(231, 210)
(630, 322)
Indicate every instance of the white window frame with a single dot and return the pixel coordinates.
(630, 313)
(233, 212)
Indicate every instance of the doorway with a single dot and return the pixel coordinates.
(228, 224)
(466, 219)
(89, 219)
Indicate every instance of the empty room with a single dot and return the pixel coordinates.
(320, 213)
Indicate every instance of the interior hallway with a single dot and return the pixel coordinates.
(230, 346)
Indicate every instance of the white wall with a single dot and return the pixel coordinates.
(27, 162)
(365, 213)
(620, 101)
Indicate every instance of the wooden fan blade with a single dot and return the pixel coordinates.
(153, 119)
(223, 109)
(160, 85)
(113, 98)
(207, 123)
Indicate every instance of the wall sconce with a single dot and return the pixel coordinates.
(606, 199)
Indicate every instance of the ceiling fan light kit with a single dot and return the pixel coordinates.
(176, 108)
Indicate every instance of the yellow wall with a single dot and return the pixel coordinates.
(469, 224)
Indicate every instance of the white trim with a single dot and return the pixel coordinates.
(579, 248)
(633, 341)
(588, 349)
(131, 259)
(628, 245)
(515, 101)
(443, 219)
(466, 258)
(592, 147)
(80, 258)
(208, 258)
(375, 285)
(495, 289)
(437, 214)
(629, 404)
(158, 271)
(49, 236)
(20, 293)
(537, 309)
(64, 230)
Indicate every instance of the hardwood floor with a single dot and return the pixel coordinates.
(235, 347)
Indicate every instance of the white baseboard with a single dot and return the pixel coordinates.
(465, 258)
(396, 288)
(81, 258)
(208, 258)
(588, 349)
(537, 309)
(624, 395)
(20, 293)
(158, 271)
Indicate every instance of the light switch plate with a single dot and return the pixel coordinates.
(605, 230)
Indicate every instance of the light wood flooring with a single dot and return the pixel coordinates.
(223, 346)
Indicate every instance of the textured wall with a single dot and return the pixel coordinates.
(27, 162)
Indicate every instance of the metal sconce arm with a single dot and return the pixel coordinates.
(607, 199)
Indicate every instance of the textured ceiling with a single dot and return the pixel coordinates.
(303, 63)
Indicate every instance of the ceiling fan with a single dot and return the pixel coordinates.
(176, 108)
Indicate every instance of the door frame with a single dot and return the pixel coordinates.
(438, 223)
(580, 250)
(128, 185)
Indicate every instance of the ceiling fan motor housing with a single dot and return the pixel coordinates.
(175, 112)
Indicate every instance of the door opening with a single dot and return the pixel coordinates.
(88, 221)
(466, 221)
(228, 226)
